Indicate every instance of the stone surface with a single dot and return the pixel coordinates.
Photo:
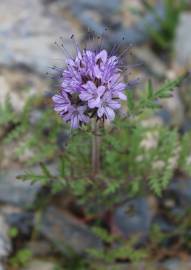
(16, 217)
(182, 42)
(2, 267)
(97, 15)
(40, 265)
(66, 232)
(176, 264)
(19, 85)
(174, 107)
(163, 224)
(98, 5)
(27, 34)
(135, 34)
(5, 243)
(23, 221)
(40, 248)
(181, 188)
(151, 61)
(174, 205)
(170, 264)
(16, 192)
(133, 217)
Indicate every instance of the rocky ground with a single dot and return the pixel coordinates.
(28, 30)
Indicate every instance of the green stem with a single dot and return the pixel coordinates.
(96, 141)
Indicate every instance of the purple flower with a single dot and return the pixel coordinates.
(101, 58)
(76, 116)
(91, 86)
(117, 88)
(107, 107)
(92, 94)
(61, 103)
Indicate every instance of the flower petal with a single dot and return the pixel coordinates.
(90, 86)
(100, 111)
(61, 108)
(120, 86)
(110, 114)
(97, 72)
(122, 96)
(82, 109)
(75, 121)
(84, 118)
(58, 99)
(93, 103)
(85, 96)
(114, 79)
(101, 90)
(113, 60)
(102, 55)
(114, 104)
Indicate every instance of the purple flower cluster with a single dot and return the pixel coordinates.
(91, 86)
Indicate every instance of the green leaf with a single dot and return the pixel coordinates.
(166, 89)
(130, 100)
(45, 170)
(149, 89)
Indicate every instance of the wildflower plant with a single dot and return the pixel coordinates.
(91, 86)
(102, 158)
(91, 91)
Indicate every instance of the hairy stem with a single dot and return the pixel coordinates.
(96, 140)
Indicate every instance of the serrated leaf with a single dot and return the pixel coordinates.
(169, 86)
(130, 101)
(149, 89)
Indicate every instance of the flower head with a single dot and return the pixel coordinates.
(75, 115)
(91, 86)
(92, 94)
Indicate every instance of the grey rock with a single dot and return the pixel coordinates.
(165, 116)
(170, 264)
(182, 44)
(19, 85)
(186, 127)
(16, 192)
(176, 264)
(137, 34)
(40, 248)
(133, 217)
(151, 61)
(175, 107)
(117, 266)
(5, 243)
(175, 202)
(107, 5)
(163, 224)
(66, 232)
(21, 193)
(181, 188)
(23, 221)
(40, 265)
(2, 267)
(27, 34)
(131, 266)
(19, 218)
(105, 13)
